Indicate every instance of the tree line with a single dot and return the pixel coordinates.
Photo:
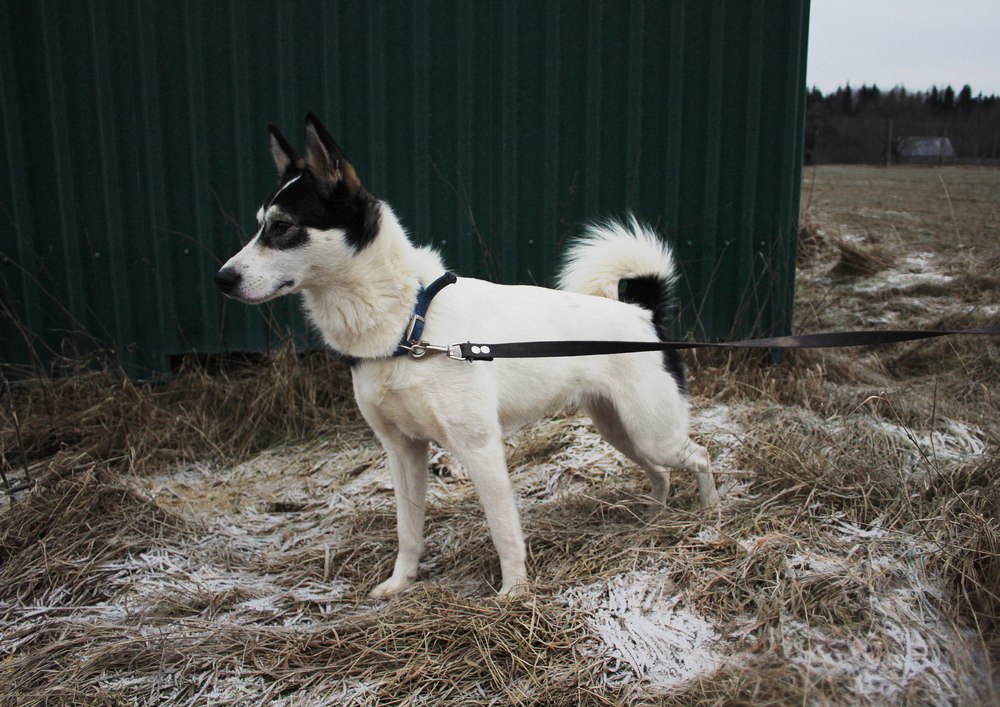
(870, 125)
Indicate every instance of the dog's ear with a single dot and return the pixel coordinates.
(326, 160)
(284, 154)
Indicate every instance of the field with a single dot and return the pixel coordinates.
(213, 540)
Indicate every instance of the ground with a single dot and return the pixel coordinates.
(213, 541)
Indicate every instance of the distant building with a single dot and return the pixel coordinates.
(925, 150)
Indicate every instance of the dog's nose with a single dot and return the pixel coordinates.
(227, 279)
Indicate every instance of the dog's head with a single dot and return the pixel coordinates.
(319, 208)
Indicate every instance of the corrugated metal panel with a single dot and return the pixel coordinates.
(134, 149)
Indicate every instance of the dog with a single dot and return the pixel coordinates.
(323, 235)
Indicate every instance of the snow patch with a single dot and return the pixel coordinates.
(644, 632)
(954, 441)
(582, 457)
(914, 269)
(910, 639)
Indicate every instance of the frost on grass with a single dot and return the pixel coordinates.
(861, 603)
(952, 441)
(902, 639)
(912, 270)
(559, 456)
(916, 449)
(644, 631)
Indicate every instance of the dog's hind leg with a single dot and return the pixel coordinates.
(610, 426)
(656, 442)
(486, 466)
(694, 458)
(408, 467)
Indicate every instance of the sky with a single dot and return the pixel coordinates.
(914, 43)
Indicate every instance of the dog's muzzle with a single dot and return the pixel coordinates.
(228, 279)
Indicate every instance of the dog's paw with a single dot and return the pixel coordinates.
(390, 588)
(710, 498)
(517, 589)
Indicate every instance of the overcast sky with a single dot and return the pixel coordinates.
(916, 43)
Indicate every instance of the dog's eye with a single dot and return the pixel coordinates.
(282, 234)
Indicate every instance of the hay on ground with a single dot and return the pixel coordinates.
(213, 539)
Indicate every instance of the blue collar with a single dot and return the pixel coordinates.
(415, 329)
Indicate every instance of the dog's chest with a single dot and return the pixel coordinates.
(394, 401)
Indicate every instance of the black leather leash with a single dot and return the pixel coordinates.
(412, 344)
(837, 339)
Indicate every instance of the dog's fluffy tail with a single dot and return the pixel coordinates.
(610, 252)
(627, 261)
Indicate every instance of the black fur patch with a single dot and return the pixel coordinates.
(654, 294)
(306, 205)
(282, 234)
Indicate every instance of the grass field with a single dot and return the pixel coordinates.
(212, 540)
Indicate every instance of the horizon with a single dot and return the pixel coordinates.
(910, 91)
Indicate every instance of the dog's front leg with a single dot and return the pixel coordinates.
(488, 470)
(408, 467)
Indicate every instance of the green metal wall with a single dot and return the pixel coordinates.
(134, 149)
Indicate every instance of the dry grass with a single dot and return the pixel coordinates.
(432, 646)
(967, 501)
(212, 540)
(100, 415)
(858, 258)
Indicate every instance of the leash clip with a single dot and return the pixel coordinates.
(421, 349)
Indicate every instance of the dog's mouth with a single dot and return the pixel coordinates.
(286, 287)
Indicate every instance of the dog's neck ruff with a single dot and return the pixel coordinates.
(414, 332)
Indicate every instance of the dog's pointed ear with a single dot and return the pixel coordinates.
(326, 160)
(283, 153)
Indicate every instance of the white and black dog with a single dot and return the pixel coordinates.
(323, 234)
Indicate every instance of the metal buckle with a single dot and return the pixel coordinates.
(409, 330)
